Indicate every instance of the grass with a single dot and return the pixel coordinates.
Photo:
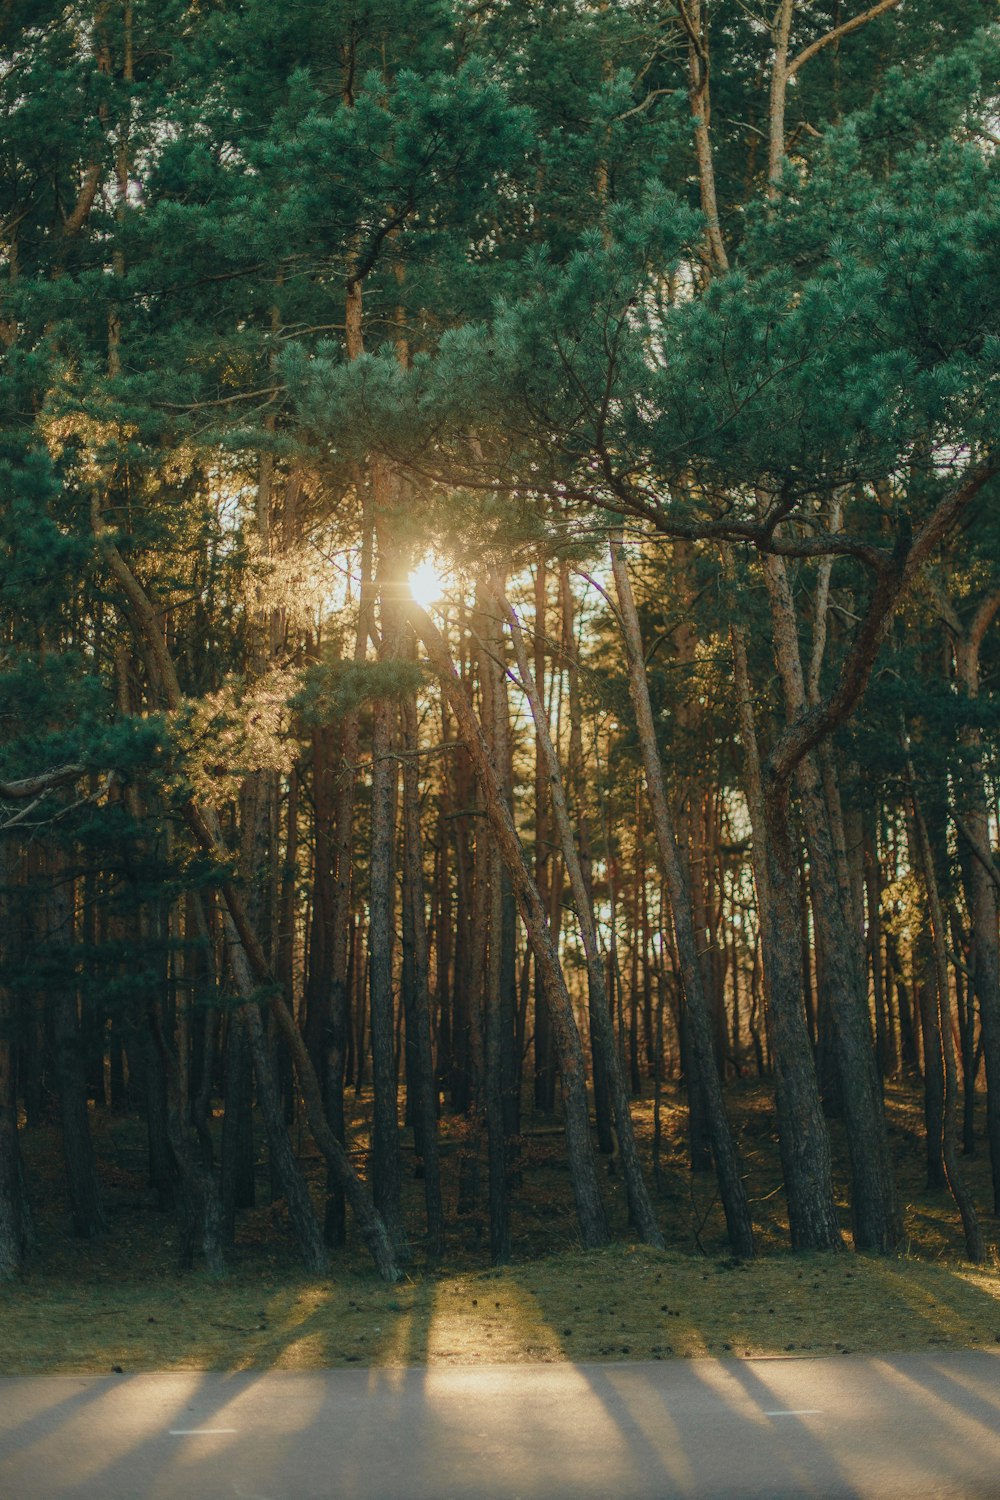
(121, 1303)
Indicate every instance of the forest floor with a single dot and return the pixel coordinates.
(122, 1302)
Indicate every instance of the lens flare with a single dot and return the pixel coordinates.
(426, 583)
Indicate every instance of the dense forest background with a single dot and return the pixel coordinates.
(498, 568)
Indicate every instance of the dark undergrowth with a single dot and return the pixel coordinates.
(121, 1301)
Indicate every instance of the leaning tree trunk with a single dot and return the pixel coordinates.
(727, 1163)
(640, 1202)
(583, 1172)
(247, 957)
(577, 795)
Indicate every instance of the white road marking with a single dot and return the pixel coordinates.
(200, 1431)
(807, 1411)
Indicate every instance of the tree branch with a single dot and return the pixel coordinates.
(45, 781)
(811, 727)
(838, 31)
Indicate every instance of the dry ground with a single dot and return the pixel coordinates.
(121, 1302)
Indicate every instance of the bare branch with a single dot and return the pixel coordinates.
(983, 618)
(838, 31)
(811, 727)
(45, 781)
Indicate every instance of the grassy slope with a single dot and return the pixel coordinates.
(121, 1302)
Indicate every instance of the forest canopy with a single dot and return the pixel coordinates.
(498, 575)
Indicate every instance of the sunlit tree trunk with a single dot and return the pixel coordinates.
(545, 1080)
(422, 1079)
(583, 1173)
(640, 1203)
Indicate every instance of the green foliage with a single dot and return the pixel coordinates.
(334, 688)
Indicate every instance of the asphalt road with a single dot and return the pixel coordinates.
(902, 1426)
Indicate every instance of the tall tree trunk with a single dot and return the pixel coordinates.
(423, 1080)
(640, 1203)
(16, 1226)
(975, 1247)
(89, 1219)
(981, 891)
(727, 1163)
(583, 1173)
(803, 1138)
(877, 1222)
(545, 1077)
(386, 1168)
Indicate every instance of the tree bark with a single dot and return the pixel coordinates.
(640, 1203)
(16, 1225)
(981, 893)
(727, 1164)
(247, 957)
(89, 1219)
(583, 1173)
(877, 1222)
(425, 1102)
(975, 1247)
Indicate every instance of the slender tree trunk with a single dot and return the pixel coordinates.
(640, 1203)
(975, 1247)
(695, 16)
(545, 1077)
(577, 797)
(237, 1183)
(727, 1164)
(16, 1226)
(583, 1173)
(981, 893)
(934, 1084)
(875, 1212)
(425, 1101)
(386, 1173)
(89, 1220)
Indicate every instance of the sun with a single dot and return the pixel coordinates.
(427, 582)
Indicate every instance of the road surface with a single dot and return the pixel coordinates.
(871, 1429)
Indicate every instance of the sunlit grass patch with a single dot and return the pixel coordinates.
(121, 1302)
